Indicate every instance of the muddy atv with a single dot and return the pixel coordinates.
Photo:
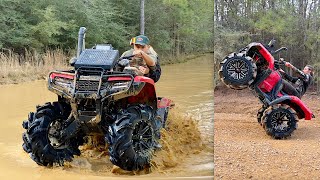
(100, 96)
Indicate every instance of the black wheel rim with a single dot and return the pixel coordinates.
(280, 121)
(142, 137)
(54, 135)
(237, 69)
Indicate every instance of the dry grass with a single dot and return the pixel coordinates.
(16, 68)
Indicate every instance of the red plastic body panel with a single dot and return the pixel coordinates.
(119, 78)
(143, 79)
(67, 76)
(266, 54)
(147, 94)
(270, 82)
(307, 112)
(164, 102)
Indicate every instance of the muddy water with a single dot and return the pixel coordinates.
(188, 84)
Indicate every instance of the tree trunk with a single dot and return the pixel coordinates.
(177, 42)
(216, 11)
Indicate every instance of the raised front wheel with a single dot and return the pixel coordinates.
(237, 71)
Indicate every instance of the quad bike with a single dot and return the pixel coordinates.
(101, 96)
(255, 67)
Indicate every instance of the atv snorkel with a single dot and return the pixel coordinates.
(81, 40)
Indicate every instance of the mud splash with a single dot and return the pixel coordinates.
(180, 139)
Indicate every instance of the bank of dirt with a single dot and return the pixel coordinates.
(244, 151)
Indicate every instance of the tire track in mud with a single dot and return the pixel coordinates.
(243, 148)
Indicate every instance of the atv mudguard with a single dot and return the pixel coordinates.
(263, 51)
(294, 102)
(147, 94)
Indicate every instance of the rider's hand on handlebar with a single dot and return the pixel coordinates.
(282, 71)
(138, 53)
(144, 70)
(288, 64)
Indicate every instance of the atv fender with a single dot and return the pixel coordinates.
(146, 95)
(264, 52)
(143, 79)
(294, 102)
(164, 102)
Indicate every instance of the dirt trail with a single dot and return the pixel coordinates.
(244, 151)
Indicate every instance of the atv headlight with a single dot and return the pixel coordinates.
(120, 86)
(66, 83)
(61, 81)
(121, 83)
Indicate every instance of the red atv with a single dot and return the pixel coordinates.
(101, 96)
(255, 67)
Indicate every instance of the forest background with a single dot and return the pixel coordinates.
(294, 24)
(37, 36)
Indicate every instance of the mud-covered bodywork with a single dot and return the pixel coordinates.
(100, 88)
(116, 86)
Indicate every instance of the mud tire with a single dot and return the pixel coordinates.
(237, 71)
(260, 114)
(129, 149)
(36, 141)
(278, 115)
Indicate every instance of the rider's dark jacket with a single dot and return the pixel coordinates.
(301, 83)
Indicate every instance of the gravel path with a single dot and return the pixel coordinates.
(242, 149)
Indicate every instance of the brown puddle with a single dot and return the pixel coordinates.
(187, 143)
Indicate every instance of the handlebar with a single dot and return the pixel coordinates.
(279, 63)
(270, 46)
(127, 57)
(280, 49)
(125, 60)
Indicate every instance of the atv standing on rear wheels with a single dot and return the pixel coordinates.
(255, 67)
(103, 96)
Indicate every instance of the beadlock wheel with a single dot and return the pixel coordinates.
(279, 121)
(237, 71)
